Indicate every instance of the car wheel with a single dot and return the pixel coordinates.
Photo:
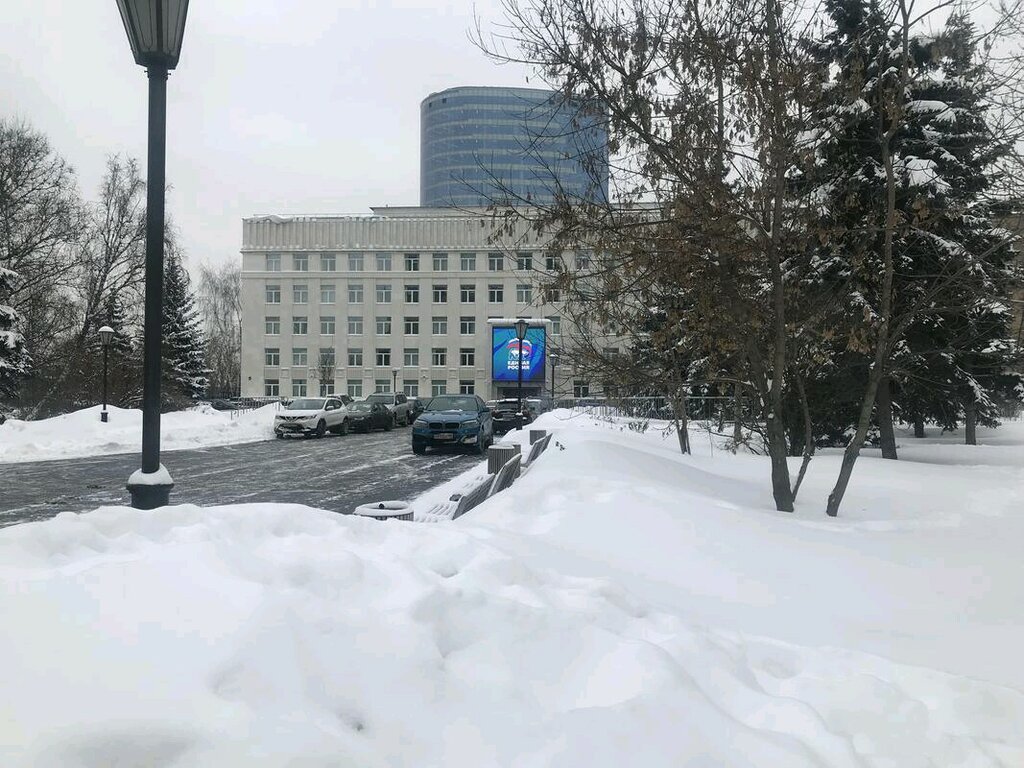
(481, 444)
(279, 435)
(321, 428)
(419, 448)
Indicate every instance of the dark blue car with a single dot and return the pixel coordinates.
(460, 420)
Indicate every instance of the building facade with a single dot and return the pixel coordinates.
(358, 304)
(484, 145)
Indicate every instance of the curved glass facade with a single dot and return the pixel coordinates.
(481, 145)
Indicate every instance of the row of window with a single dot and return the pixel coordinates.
(382, 356)
(383, 325)
(411, 387)
(439, 294)
(439, 261)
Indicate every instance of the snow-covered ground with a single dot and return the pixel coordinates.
(619, 605)
(81, 433)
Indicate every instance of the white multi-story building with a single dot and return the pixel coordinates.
(357, 304)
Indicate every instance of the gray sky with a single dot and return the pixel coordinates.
(277, 106)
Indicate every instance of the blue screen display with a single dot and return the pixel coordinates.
(506, 354)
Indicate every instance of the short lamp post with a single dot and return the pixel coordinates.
(553, 358)
(106, 336)
(155, 30)
(521, 326)
(394, 381)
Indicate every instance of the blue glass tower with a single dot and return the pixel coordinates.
(482, 145)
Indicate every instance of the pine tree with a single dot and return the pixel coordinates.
(14, 358)
(183, 348)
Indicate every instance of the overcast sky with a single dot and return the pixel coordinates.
(277, 106)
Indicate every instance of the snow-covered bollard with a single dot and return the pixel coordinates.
(385, 510)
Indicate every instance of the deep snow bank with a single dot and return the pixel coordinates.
(620, 605)
(81, 433)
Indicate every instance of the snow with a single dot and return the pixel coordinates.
(160, 477)
(81, 433)
(619, 605)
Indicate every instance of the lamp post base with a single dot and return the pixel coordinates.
(103, 416)
(150, 490)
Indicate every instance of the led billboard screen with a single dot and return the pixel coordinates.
(507, 354)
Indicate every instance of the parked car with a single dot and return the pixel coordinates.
(365, 416)
(460, 420)
(539, 405)
(415, 407)
(505, 418)
(397, 403)
(312, 416)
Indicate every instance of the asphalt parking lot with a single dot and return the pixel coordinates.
(335, 473)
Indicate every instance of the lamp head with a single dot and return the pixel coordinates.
(155, 30)
(106, 335)
(521, 327)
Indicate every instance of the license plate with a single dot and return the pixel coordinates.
(444, 436)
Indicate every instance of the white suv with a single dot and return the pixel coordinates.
(313, 416)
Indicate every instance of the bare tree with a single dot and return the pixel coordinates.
(219, 294)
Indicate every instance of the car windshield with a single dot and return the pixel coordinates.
(453, 403)
(361, 407)
(380, 398)
(305, 404)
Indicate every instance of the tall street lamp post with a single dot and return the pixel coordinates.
(522, 326)
(553, 358)
(155, 30)
(106, 336)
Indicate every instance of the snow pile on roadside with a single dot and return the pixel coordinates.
(619, 605)
(81, 433)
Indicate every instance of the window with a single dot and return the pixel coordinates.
(412, 326)
(326, 357)
(467, 356)
(580, 388)
(556, 325)
(273, 262)
(327, 325)
(412, 262)
(383, 293)
(300, 293)
(495, 262)
(410, 387)
(440, 294)
(355, 325)
(552, 295)
(328, 263)
(355, 358)
(467, 262)
(524, 294)
(299, 357)
(439, 356)
(467, 387)
(273, 294)
(439, 326)
(524, 261)
(273, 325)
(383, 262)
(495, 293)
(271, 387)
(326, 387)
(354, 387)
(412, 294)
(272, 356)
(440, 262)
(467, 294)
(300, 325)
(298, 387)
(381, 385)
(410, 357)
(582, 259)
(300, 262)
(355, 293)
(384, 325)
(438, 387)
(383, 356)
(326, 293)
(611, 352)
(355, 262)
(467, 326)
(552, 263)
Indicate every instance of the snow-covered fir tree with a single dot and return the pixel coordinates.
(14, 359)
(183, 350)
